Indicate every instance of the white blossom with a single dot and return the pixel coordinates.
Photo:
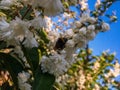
(38, 22)
(69, 33)
(91, 20)
(16, 31)
(116, 70)
(96, 66)
(4, 30)
(3, 24)
(25, 86)
(30, 41)
(54, 64)
(91, 27)
(23, 76)
(51, 7)
(66, 15)
(82, 30)
(18, 28)
(49, 23)
(53, 37)
(5, 4)
(97, 87)
(84, 17)
(76, 38)
(97, 4)
(22, 81)
(78, 24)
(19, 51)
(70, 43)
(84, 4)
(105, 26)
(90, 35)
(81, 80)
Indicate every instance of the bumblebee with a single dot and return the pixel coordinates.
(60, 44)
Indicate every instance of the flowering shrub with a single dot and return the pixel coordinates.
(91, 72)
(39, 39)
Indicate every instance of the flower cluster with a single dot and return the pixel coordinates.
(15, 32)
(78, 36)
(50, 7)
(84, 4)
(5, 4)
(22, 81)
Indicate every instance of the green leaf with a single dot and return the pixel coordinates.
(2, 44)
(13, 65)
(33, 57)
(43, 81)
(26, 13)
(43, 35)
(12, 62)
(2, 14)
(66, 4)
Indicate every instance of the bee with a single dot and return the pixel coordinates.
(60, 44)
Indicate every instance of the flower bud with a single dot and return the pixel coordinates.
(91, 27)
(105, 27)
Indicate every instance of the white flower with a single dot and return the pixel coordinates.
(84, 4)
(97, 87)
(66, 15)
(91, 27)
(69, 33)
(116, 70)
(84, 17)
(16, 32)
(54, 64)
(90, 35)
(82, 30)
(82, 44)
(30, 41)
(5, 4)
(78, 24)
(58, 64)
(91, 20)
(22, 81)
(4, 30)
(53, 37)
(97, 4)
(23, 76)
(38, 22)
(49, 23)
(51, 7)
(105, 26)
(79, 38)
(18, 51)
(76, 38)
(96, 66)
(3, 24)
(70, 43)
(18, 28)
(70, 54)
(24, 86)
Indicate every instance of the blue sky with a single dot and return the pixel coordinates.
(109, 39)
